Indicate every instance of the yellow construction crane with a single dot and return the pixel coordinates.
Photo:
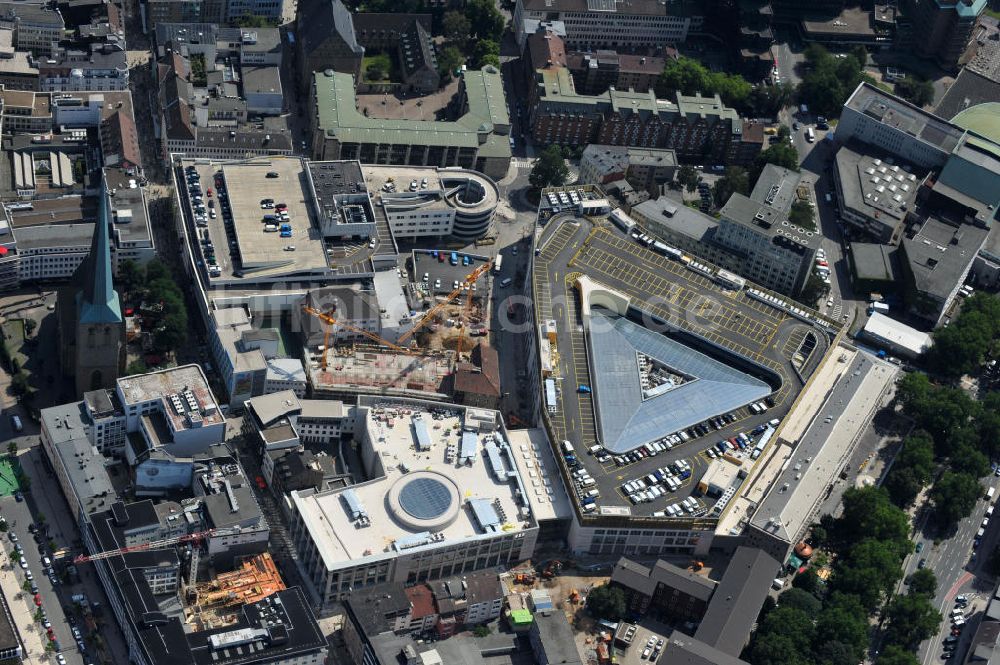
(469, 280)
(331, 322)
(328, 318)
(466, 310)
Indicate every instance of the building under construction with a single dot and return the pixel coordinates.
(218, 602)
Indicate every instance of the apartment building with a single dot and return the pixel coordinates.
(697, 128)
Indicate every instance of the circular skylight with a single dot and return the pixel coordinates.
(425, 498)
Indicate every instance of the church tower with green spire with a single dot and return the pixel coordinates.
(91, 326)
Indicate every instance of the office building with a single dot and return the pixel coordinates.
(96, 66)
(479, 139)
(198, 121)
(873, 195)
(752, 237)
(287, 470)
(282, 421)
(37, 28)
(645, 169)
(941, 221)
(421, 202)
(269, 625)
(941, 30)
(635, 25)
(445, 506)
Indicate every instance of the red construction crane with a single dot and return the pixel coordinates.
(155, 545)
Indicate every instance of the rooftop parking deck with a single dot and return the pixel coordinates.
(703, 318)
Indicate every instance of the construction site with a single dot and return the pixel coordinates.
(218, 603)
(420, 361)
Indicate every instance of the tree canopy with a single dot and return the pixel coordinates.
(803, 214)
(916, 90)
(550, 169)
(735, 181)
(954, 495)
(961, 347)
(688, 76)
(687, 177)
(829, 80)
(606, 602)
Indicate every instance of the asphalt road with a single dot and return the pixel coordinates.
(45, 497)
(951, 561)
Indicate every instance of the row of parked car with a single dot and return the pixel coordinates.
(658, 483)
(958, 621)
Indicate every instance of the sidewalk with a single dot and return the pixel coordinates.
(23, 611)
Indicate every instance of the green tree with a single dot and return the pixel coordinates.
(606, 602)
(896, 655)
(481, 630)
(781, 154)
(12, 448)
(844, 622)
(449, 59)
(768, 100)
(687, 177)
(809, 581)
(868, 513)
(800, 599)
(869, 573)
(129, 277)
(253, 21)
(486, 52)
(923, 582)
(814, 290)
(835, 653)
(828, 80)
(912, 619)
(912, 469)
(690, 77)
(136, 367)
(917, 91)
(19, 384)
(549, 170)
(954, 495)
(784, 637)
(377, 67)
(803, 214)
(485, 19)
(456, 27)
(735, 180)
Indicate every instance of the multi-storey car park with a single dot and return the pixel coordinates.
(662, 377)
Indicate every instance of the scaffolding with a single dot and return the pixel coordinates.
(216, 603)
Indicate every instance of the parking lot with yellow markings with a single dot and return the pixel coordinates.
(670, 297)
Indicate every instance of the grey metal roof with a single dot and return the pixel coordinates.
(626, 420)
(737, 601)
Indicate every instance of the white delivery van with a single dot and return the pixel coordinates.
(567, 447)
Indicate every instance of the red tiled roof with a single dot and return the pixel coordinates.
(482, 375)
(421, 601)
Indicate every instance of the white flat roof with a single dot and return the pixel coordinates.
(545, 490)
(881, 326)
(390, 434)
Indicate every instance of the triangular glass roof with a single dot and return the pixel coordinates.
(630, 414)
